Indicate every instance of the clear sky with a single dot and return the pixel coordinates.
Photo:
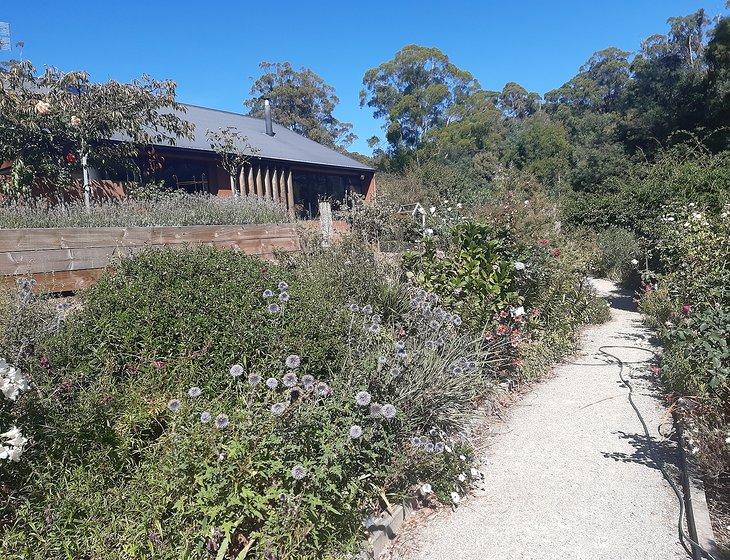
(212, 48)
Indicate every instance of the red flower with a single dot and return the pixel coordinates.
(656, 370)
(159, 364)
(503, 313)
(686, 308)
(71, 157)
(501, 329)
(544, 242)
(556, 252)
(45, 362)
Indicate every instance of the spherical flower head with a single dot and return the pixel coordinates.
(456, 320)
(388, 411)
(194, 392)
(268, 294)
(293, 361)
(376, 319)
(461, 477)
(457, 370)
(355, 431)
(556, 252)
(221, 421)
(363, 398)
(520, 266)
(75, 121)
(375, 409)
(686, 309)
(272, 383)
(367, 309)
(298, 472)
(429, 447)
(273, 308)
(634, 262)
(277, 409)
(236, 370)
(429, 345)
(455, 497)
(544, 242)
(416, 441)
(435, 325)
(322, 389)
(439, 447)
(283, 286)
(395, 372)
(400, 344)
(284, 297)
(426, 489)
(382, 360)
(374, 328)
(290, 379)
(205, 417)
(308, 382)
(42, 107)
(354, 307)
(174, 405)
(254, 379)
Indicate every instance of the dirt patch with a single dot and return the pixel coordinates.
(718, 502)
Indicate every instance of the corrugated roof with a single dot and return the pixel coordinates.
(284, 145)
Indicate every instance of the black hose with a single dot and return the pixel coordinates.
(682, 513)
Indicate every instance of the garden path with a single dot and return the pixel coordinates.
(571, 474)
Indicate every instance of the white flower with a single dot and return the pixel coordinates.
(432, 209)
(428, 231)
(634, 262)
(462, 457)
(459, 205)
(462, 477)
(517, 311)
(426, 489)
(474, 473)
(12, 448)
(42, 108)
(519, 265)
(455, 497)
(12, 381)
(75, 121)
(237, 370)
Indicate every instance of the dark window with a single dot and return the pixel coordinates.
(310, 188)
(189, 175)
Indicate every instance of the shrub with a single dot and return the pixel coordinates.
(618, 249)
(121, 465)
(175, 209)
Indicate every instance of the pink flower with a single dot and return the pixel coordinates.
(686, 308)
(556, 252)
(159, 364)
(70, 157)
(544, 242)
(75, 121)
(440, 254)
(42, 108)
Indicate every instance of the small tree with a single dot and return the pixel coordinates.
(234, 151)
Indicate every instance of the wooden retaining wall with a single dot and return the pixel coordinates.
(68, 259)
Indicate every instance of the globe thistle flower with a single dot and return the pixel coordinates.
(298, 472)
(520, 266)
(236, 370)
(293, 361)
(457, 370)
(400, 345)
(194, 392)
(322, 389)
(363, 398)
(308, 382)
(388, 411)
(375, 410)
(435, 325)
(354, 307)
(439, 447)
(377, 319)
(439, 314)
(221, 421)
(395, 372)
(277, 409)
(254, 379)
(284, 297)
(416, 441)
(455, 497)
(401, 354)
(283, 286)
(268, 294)
(289, 380)
(429, 447)
(456, 320)
(439, 342)
(382, 360)
(367, 309)
(272, 383)
(205, 417)
(273, 308)
(355, 431)
(374, 328)
(429, 345)
(174, 405)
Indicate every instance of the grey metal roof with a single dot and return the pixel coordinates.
(284, 145)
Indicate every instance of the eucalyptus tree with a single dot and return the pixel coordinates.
(413, 92)
(300, 101)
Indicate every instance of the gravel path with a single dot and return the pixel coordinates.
(572, 475)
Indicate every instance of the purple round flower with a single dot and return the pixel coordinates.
(221, 421)
(254, 379)
(354, 307)
(273, 308)
(377, 319)
(283, 286)
(435, 325)
(278, 409)
(237, 370)
(457, 370)
(439, 447)
(289, 379)
(284, 297)
(194, 392)
(363, 398)
(416, 441)
(395, 372)
(174, 405)
(293, 361)
(355, 431)
(388, 411)
(268, 293)
(429, 447)
(205, 417)
(374, 328)
(375, 410)
(429, 345)
(456, 320)
(322, 389)
(298, 472)
(367, 309)
(308, 382)
(272, 383)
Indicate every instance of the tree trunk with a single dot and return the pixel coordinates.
(87, 182)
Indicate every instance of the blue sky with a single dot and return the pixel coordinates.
(212, 48)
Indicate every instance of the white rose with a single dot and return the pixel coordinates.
(634, 262)
(42, 108)
(75, 121)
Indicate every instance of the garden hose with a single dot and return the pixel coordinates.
(696, 550)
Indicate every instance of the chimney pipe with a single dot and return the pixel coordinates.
(267, 117)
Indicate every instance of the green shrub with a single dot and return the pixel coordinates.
(619, 253)
(118, 469)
